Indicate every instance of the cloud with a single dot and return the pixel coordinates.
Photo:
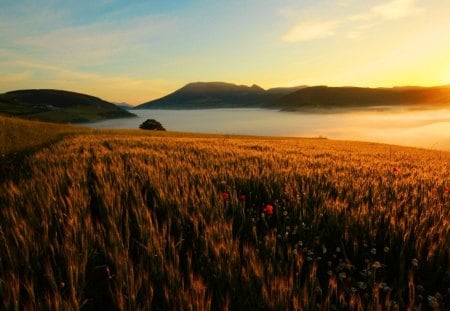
(15, 77)
(98, 41)
(391, 10)
(119, 88)
(344, 2)
(354, 34)
(361, 17)
(305, 31)
(394, 9)
(359, 30)
(397, 9)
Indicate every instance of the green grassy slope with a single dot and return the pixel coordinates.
(58, 106)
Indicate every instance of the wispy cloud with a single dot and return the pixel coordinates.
(359, 22)
(396, 9)
(305, 31)
(15, 77)
(361, 17)
(344, 2)
(359, 30)
(98, 41)
(391, 10)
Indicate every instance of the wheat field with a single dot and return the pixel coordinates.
(126, 221)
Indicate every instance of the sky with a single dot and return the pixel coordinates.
(136, 51)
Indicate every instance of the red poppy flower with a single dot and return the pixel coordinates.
(446, 190)
(395, 170)
(225, 196)
(268, 209)
(242, 197)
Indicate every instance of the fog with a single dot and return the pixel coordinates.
(420, 128)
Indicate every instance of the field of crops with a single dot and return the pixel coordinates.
(129, 222)
(19, 135)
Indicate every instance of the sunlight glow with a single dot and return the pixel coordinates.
(141, 51)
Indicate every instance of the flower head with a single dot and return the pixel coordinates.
(242, 198)
(225, 196)
(268, 209)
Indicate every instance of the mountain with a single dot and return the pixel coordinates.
(323, 97)
(210, 95)
(280, 91)
(125, 106)
(65, 106)
(226, 95)
(59, 106)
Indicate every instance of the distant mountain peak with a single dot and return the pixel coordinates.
(198, 95)
(257, 87)
(217, 86)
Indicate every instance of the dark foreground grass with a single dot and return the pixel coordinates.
(139, 221)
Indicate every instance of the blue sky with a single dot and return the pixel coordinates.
(135, 51)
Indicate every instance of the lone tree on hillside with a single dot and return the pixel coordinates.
(152, 124)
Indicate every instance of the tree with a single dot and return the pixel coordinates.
(152, 124)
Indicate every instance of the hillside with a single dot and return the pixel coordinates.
(225, 95)
(58, 106)
(324, 97)
(125, 106)
(18, 135)
(281, 91)
(138, 220)
(210, 95)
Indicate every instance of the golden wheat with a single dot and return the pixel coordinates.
(134, 222)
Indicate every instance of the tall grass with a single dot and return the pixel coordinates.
(121, 222)
(18, 134)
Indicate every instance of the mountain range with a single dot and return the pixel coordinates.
(226, 95)
(200, 95)
(323, 97)
(71, 107)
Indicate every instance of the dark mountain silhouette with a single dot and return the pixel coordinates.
(58, 106)
(280, 91)
(354, 97)
(125, 106)
(210, 95)
(65, 106)
(225, 95)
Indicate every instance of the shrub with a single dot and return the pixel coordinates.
(152, 124)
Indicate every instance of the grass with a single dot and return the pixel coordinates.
(58, 106)
(19, 135)
(75, 115)
(132, 220)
